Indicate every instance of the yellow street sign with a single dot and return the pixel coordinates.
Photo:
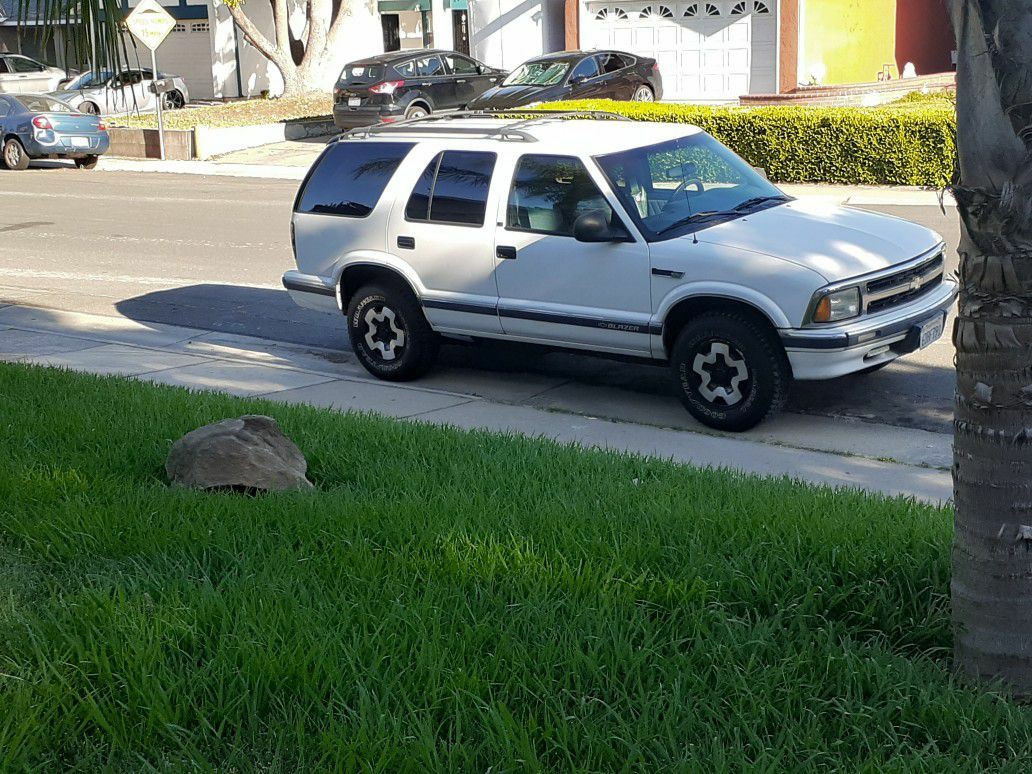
(150, 23)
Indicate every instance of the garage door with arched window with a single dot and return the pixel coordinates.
(712, 50)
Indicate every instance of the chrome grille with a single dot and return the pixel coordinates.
(904, 286)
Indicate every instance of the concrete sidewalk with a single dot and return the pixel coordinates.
(853, 452)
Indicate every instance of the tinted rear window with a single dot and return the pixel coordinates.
(349, 177)
(362, 73)
(453, 189)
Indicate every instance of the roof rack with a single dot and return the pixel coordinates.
(515, 132)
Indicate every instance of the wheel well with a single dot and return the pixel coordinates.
(684, 310)
(354, 277)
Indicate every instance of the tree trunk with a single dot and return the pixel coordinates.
(992, 549)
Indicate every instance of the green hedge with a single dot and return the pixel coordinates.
(896, 145)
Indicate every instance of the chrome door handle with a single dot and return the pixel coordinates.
(461, 80)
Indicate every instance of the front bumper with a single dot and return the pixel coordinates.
(364, 115)
(826, 353)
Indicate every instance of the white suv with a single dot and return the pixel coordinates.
(611, 236)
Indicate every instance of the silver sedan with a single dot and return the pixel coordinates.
(128, 91)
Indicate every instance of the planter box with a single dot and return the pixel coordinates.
(204, 142)
(143, 143)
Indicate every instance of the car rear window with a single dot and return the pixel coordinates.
(349, 178)
(453, 189)
(357, 74)
(40, 104)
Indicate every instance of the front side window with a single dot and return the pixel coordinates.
(549, 193)
(453, 189)
(587, 68)
(685, 184)
(462, 66)
(349, 178)
(547, 72)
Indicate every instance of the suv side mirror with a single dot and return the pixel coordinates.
(594, 227)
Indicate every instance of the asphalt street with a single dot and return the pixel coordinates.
(208, 253)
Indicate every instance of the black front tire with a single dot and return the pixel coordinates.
(389, 332)
(746, 372)
(87, 162)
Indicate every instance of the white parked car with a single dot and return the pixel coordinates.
(129, 91)
(22, 75)
(614, 237)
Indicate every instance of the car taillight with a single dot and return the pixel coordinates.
(42, 122)
(101, 126)
(387, 87)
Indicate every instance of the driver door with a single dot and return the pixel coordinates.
(553, 288)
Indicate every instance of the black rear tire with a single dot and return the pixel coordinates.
(416, 111)
(390, 333)
(731, 371)
(87, 162)
(13, 155)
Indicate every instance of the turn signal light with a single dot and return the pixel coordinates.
(42, 122)
(387, 87)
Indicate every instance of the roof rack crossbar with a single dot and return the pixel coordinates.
(513, 131)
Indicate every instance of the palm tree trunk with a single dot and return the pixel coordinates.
(992, 549)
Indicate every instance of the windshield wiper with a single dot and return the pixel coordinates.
(698, 216)
(759, 200)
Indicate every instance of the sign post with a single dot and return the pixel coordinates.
(150, 24)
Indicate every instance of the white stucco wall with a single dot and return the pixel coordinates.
(505, 33)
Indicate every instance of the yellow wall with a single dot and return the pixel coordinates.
(852, 38)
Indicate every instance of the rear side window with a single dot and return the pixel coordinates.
(349, 178)
(453, 189)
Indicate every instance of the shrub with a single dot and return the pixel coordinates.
(913, 145)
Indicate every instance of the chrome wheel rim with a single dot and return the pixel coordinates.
(643, 94)
(384, 335)
(722, 371)
(12, 154)
(171, 101)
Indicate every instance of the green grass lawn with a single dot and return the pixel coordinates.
(457, 601)
(243, 113)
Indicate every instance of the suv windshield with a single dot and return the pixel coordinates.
(548, 72)
(361, 73)
(88, 80)
(682, 184)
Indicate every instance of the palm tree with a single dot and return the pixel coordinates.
(992, 550)
(301, 60)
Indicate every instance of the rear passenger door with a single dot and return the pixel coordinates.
(435, 82)
(615, 79)
(443, 228)
(553, 288)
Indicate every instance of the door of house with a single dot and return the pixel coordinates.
(460, 30)
(391, 31)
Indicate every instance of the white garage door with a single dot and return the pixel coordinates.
(187, 52)
(706, 50)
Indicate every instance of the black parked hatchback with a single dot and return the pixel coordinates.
(576, 75)
(408, 84)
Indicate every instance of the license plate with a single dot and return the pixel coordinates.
(931, 331)
(354, 101)
(80, 142)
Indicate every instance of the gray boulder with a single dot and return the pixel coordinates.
(249, 453)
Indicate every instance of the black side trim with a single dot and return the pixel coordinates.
(552, 317)
(305, 287)
(802, 341)
(456, 306)
(584, 322)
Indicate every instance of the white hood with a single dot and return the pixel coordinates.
(836, 242)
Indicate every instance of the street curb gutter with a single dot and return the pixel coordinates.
(204, 360)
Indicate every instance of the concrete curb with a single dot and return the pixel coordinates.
(238, 365)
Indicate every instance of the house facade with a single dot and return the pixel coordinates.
(707, 50)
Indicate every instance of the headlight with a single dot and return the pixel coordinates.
(840, 305)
